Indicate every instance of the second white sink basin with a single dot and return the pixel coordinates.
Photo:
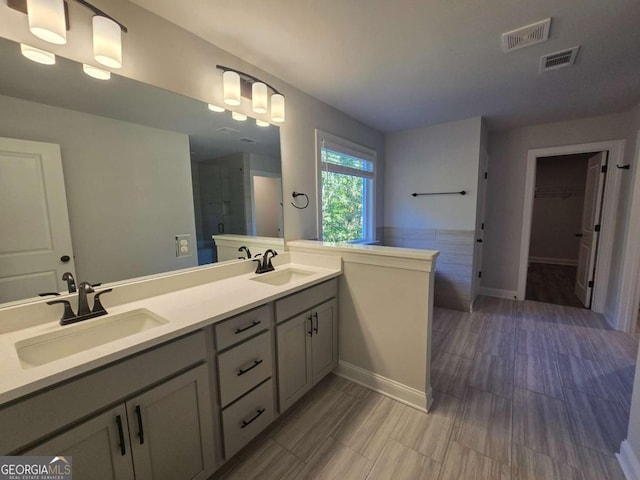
(84, 335)
(282, 277)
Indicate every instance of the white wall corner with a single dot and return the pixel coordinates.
(628, 461)
(497, 292)
(398, 391)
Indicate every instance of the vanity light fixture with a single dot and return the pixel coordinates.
(262, 123)
(241, 117)
(237, 84)
(96, 72)
(49, 21)
(216, 108)
(37, 55)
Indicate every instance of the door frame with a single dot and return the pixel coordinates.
(609, 208)
(629, 298)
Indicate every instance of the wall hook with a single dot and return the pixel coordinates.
(300, 194)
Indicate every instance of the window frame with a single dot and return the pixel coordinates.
(347, 147)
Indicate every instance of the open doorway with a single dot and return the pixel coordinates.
(565, 228)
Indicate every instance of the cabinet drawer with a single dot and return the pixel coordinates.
(243, 367)
(246, 418)
(301, 301)
(242, 326)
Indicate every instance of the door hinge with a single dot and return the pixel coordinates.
(479, 274)
(604, 169)
(486, 174)
(590, 284)
(596, 228)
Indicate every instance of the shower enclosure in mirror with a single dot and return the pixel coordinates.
(108, 179)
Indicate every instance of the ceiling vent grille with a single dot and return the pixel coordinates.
(526, 36)
(227, 131)
(248, 140)
(555, 61)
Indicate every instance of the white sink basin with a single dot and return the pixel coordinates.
(282, 277)
(84, 335)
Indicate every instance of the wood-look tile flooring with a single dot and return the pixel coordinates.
(521, 391)
(552, 284)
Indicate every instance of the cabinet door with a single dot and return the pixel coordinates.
(99, 447)
(294, 359)
(171, 429)
(324, 342)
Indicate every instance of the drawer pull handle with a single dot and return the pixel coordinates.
(246, 423)
(244, 329)
(140, 429)
(123, 450)
(255, 364)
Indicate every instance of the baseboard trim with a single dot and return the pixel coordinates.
(572, 262)
(398, 391)
(628, 461)
(496, 292)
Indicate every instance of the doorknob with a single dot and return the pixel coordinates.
(65, 258)
(579, 235)
(479, 240)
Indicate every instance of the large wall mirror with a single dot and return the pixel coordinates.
(125, 172)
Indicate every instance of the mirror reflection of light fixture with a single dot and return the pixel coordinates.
(36, 55)
(241, 117)
(262, 123)
(96, 72)
(231, 88)
(47, 20)
(237, 84)
(107, 42)
(216, 108)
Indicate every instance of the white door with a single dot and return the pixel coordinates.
(267, 211)
(35, 244)
(589, 232)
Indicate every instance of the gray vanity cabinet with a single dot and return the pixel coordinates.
(155, 435)
(307, 342)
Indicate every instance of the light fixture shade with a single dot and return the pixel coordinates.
(36, 55)
(216, 108)
(231, 86)
(262, 123)
(47, 20)
(277, 108)
(107, 42)
(259, 97)
(96, 72)
(241, 117)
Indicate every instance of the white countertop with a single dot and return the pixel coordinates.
(186, 310)
(377, 250)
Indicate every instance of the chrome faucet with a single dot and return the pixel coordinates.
(265, 265)
(84, 312)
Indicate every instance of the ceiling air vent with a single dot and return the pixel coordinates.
(227, 131)
(248, 140)
(525, 36)
(557, 60)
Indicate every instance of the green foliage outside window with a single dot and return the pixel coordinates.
(342, 207)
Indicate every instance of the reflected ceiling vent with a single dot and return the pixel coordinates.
(525, 36)
(248, 140)
(555, 61)
(228, 131)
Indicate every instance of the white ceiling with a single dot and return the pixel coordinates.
(398, 64)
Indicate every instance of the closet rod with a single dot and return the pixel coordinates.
(461, 192)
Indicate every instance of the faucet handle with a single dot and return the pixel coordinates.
(97, 304)
(68, 311)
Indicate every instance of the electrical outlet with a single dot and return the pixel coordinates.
(183, 245)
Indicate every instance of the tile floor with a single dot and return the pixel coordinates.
(523, 390)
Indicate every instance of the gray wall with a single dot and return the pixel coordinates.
(557, 219)
(128, 188)
(160, 53)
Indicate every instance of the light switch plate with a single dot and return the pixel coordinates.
(183, 245)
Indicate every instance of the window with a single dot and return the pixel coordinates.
(346, 190)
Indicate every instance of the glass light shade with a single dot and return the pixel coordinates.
(107, 42)
(277, 108)
(36, 55)
(215, 108)
(259, 97)
(262, 123)
(231, 87)
(47, 20)
(241, 117)
(96, 72)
